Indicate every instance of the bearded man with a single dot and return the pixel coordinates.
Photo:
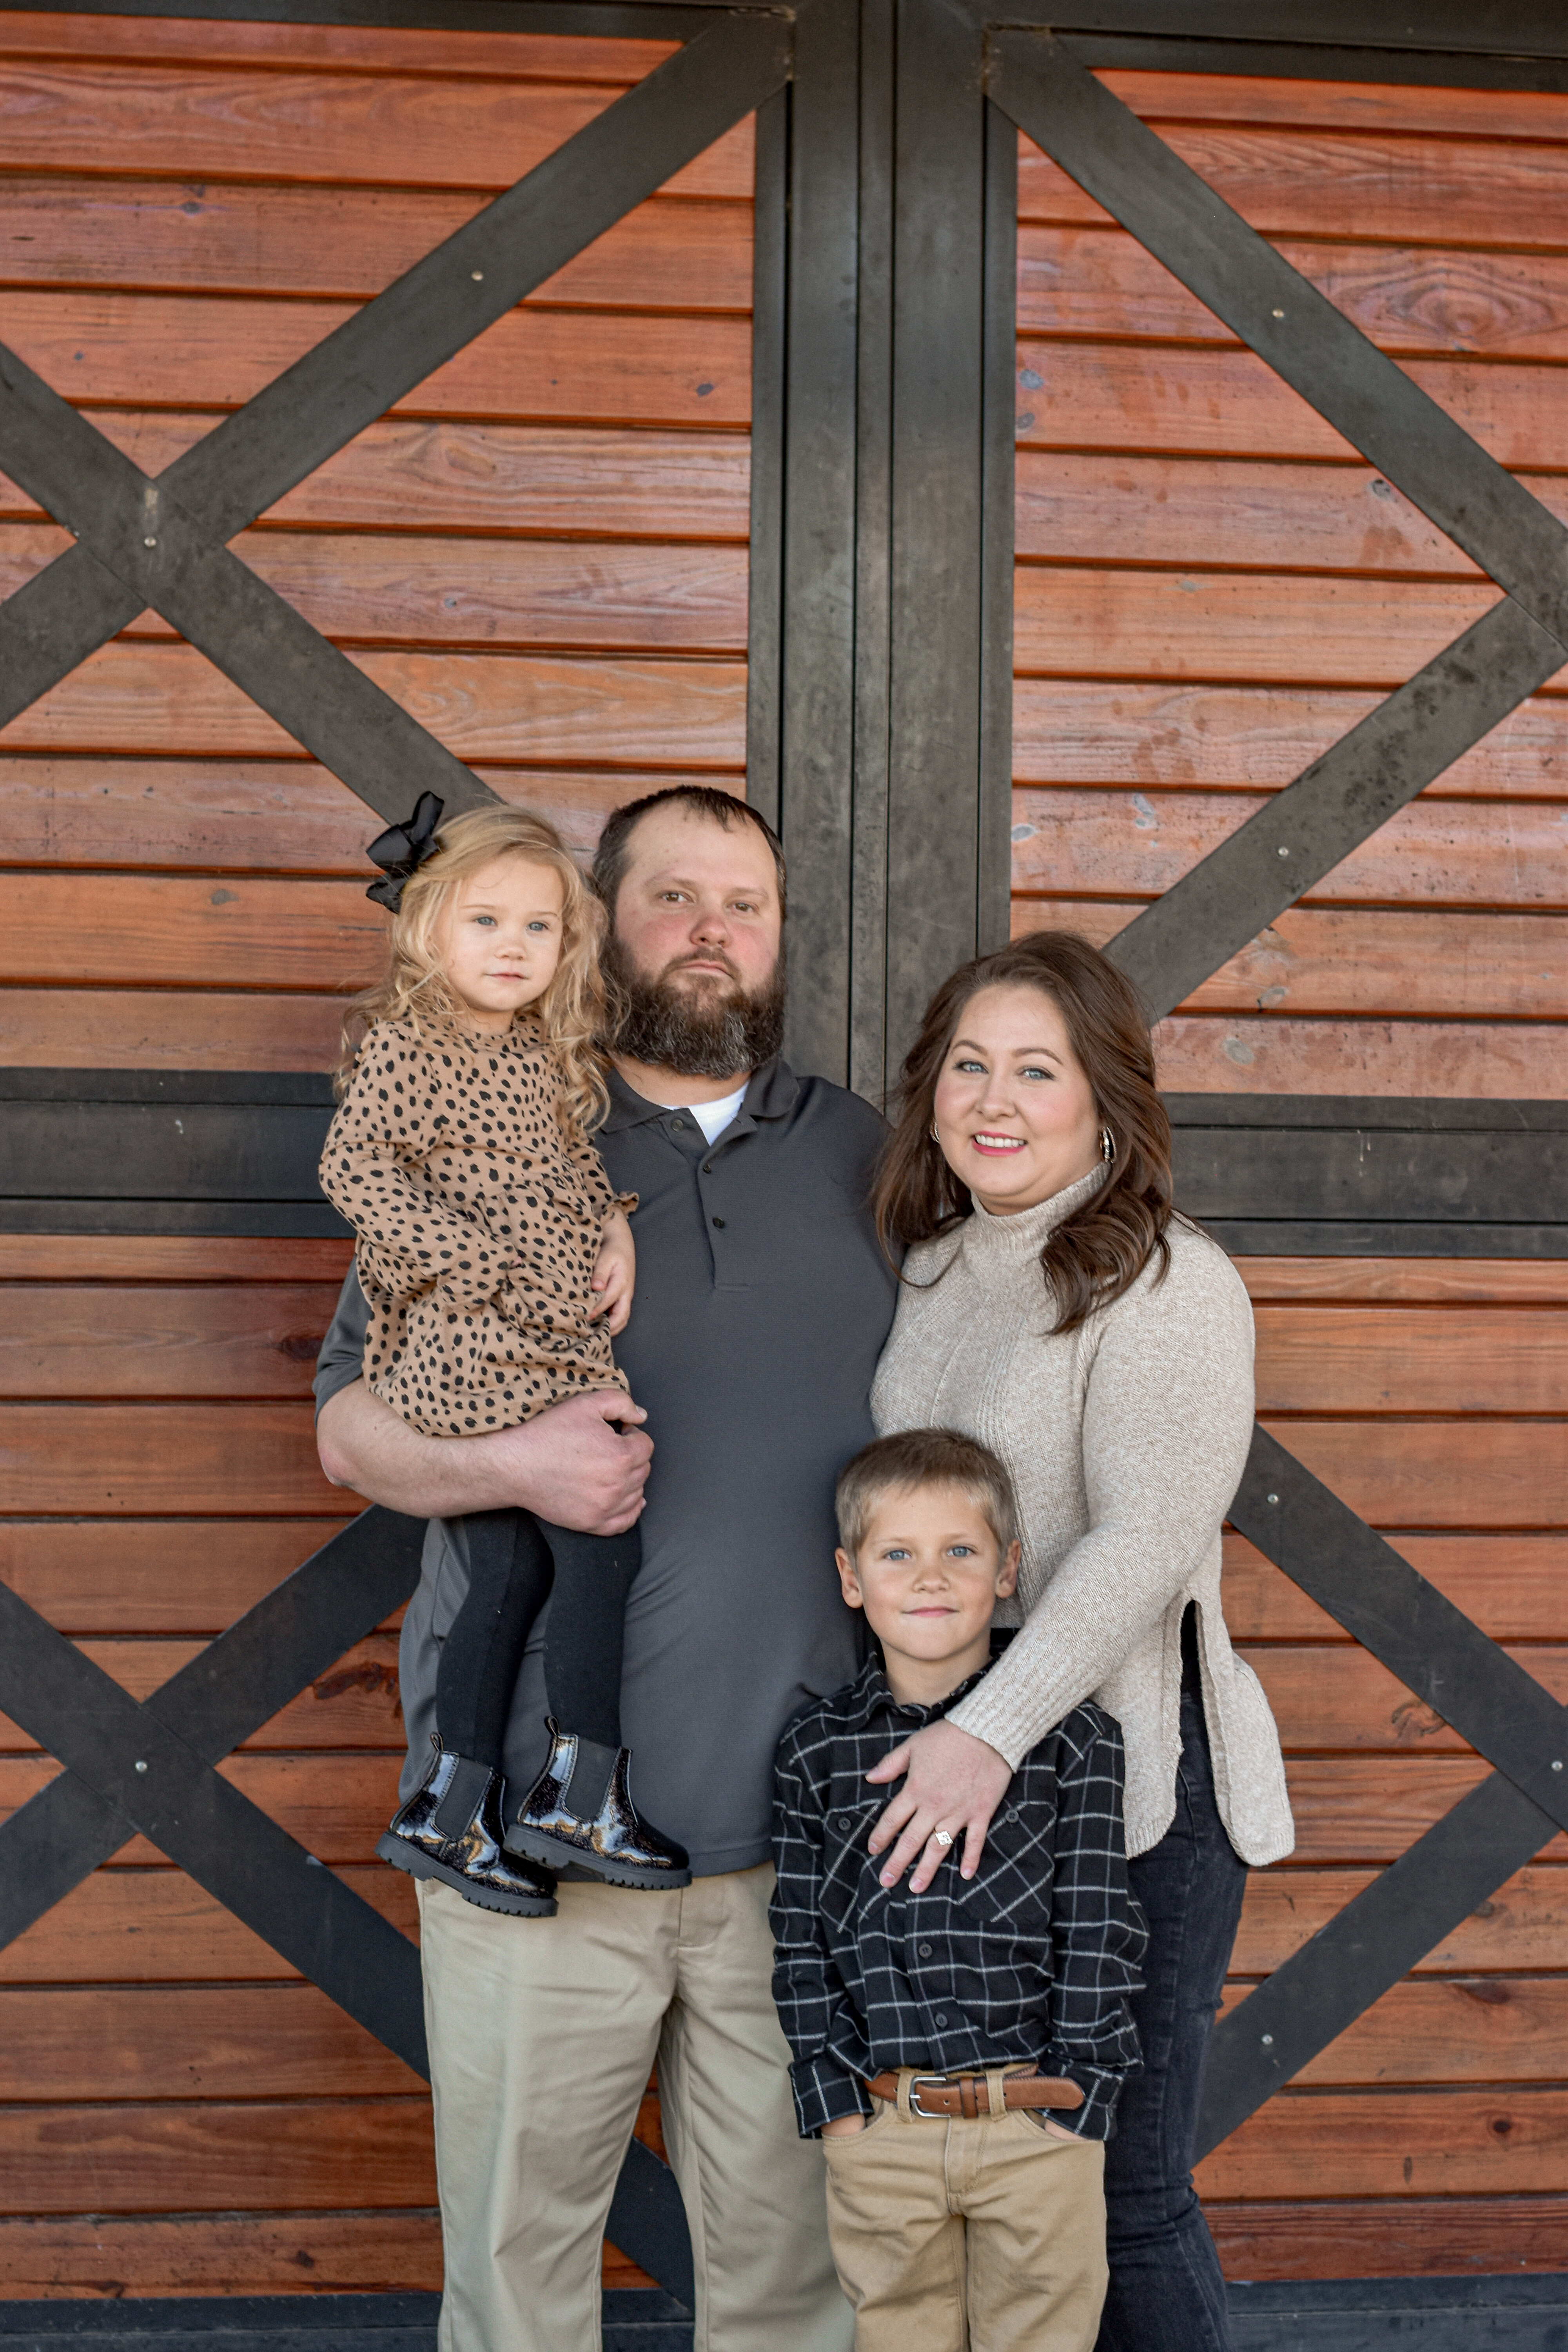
(762, 1299)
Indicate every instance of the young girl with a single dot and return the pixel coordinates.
(496, 1263)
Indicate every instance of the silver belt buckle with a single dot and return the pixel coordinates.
(932, 2115)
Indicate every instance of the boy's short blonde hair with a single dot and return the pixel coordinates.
(924, 1457)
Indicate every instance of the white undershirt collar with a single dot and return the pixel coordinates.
(713, 1117)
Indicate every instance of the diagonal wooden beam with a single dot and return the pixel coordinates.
(1469, 689)
(377, 356)
(1505, 1714)
(1407, 1623)
(1366, 1949)
(144, 538)
(1301, 834)
(483, 271)
(1296, 329)
(140, 542)
(1289, 845)
(229, 1845)
(216, 1700)
(131, 1760)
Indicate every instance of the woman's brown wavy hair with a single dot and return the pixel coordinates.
(1103, 1248)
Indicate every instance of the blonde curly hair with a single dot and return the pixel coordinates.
(571, 1010)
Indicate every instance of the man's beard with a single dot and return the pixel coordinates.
(710, 1032)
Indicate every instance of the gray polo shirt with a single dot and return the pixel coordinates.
(763, 1300)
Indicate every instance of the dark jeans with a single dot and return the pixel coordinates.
(1166, 2293)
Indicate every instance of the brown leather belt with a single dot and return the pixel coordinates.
(936, 2095)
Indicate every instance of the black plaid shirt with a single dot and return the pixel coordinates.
(1033, 1959)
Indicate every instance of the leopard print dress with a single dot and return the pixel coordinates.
(479, 1225)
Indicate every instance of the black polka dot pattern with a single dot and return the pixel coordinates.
(478, 1226)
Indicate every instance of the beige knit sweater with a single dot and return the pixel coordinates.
(1126, 1440)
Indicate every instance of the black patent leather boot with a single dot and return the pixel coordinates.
(451, 1830)
(580, 1812)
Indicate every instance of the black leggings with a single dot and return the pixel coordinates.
(515, 1563)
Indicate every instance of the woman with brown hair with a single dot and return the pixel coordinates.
(1054, 1307)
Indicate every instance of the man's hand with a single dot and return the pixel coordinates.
(844, 2128)
(953, 1782)
(568, 1465)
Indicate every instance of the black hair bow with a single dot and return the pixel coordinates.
(401, 850)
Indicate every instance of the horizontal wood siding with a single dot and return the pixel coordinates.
(1408, 1383)
(543, 553)
(1211, 588)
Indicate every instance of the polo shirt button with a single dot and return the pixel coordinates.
(925, 1951)
(678, 1125)
(718, 1221)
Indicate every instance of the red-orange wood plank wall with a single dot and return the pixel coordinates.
(1211, 587)
(543, 552)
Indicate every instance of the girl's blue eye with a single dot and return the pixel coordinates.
(486, 918)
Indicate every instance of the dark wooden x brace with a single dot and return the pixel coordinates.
(140, 542)
(147, 1767)
(1042, 82)
(162, 544)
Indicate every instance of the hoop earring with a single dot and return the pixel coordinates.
(934, 1136)
(1107, 1146)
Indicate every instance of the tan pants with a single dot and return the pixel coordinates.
(968, 2237)
(542, 2033)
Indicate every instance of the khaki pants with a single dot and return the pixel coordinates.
(968, 2237)
(542, 2033)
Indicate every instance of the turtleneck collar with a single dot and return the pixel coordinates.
(988, 1241)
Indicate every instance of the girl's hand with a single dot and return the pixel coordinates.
(615, 1274)
(953, 1781)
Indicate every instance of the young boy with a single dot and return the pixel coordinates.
(959, 2051)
